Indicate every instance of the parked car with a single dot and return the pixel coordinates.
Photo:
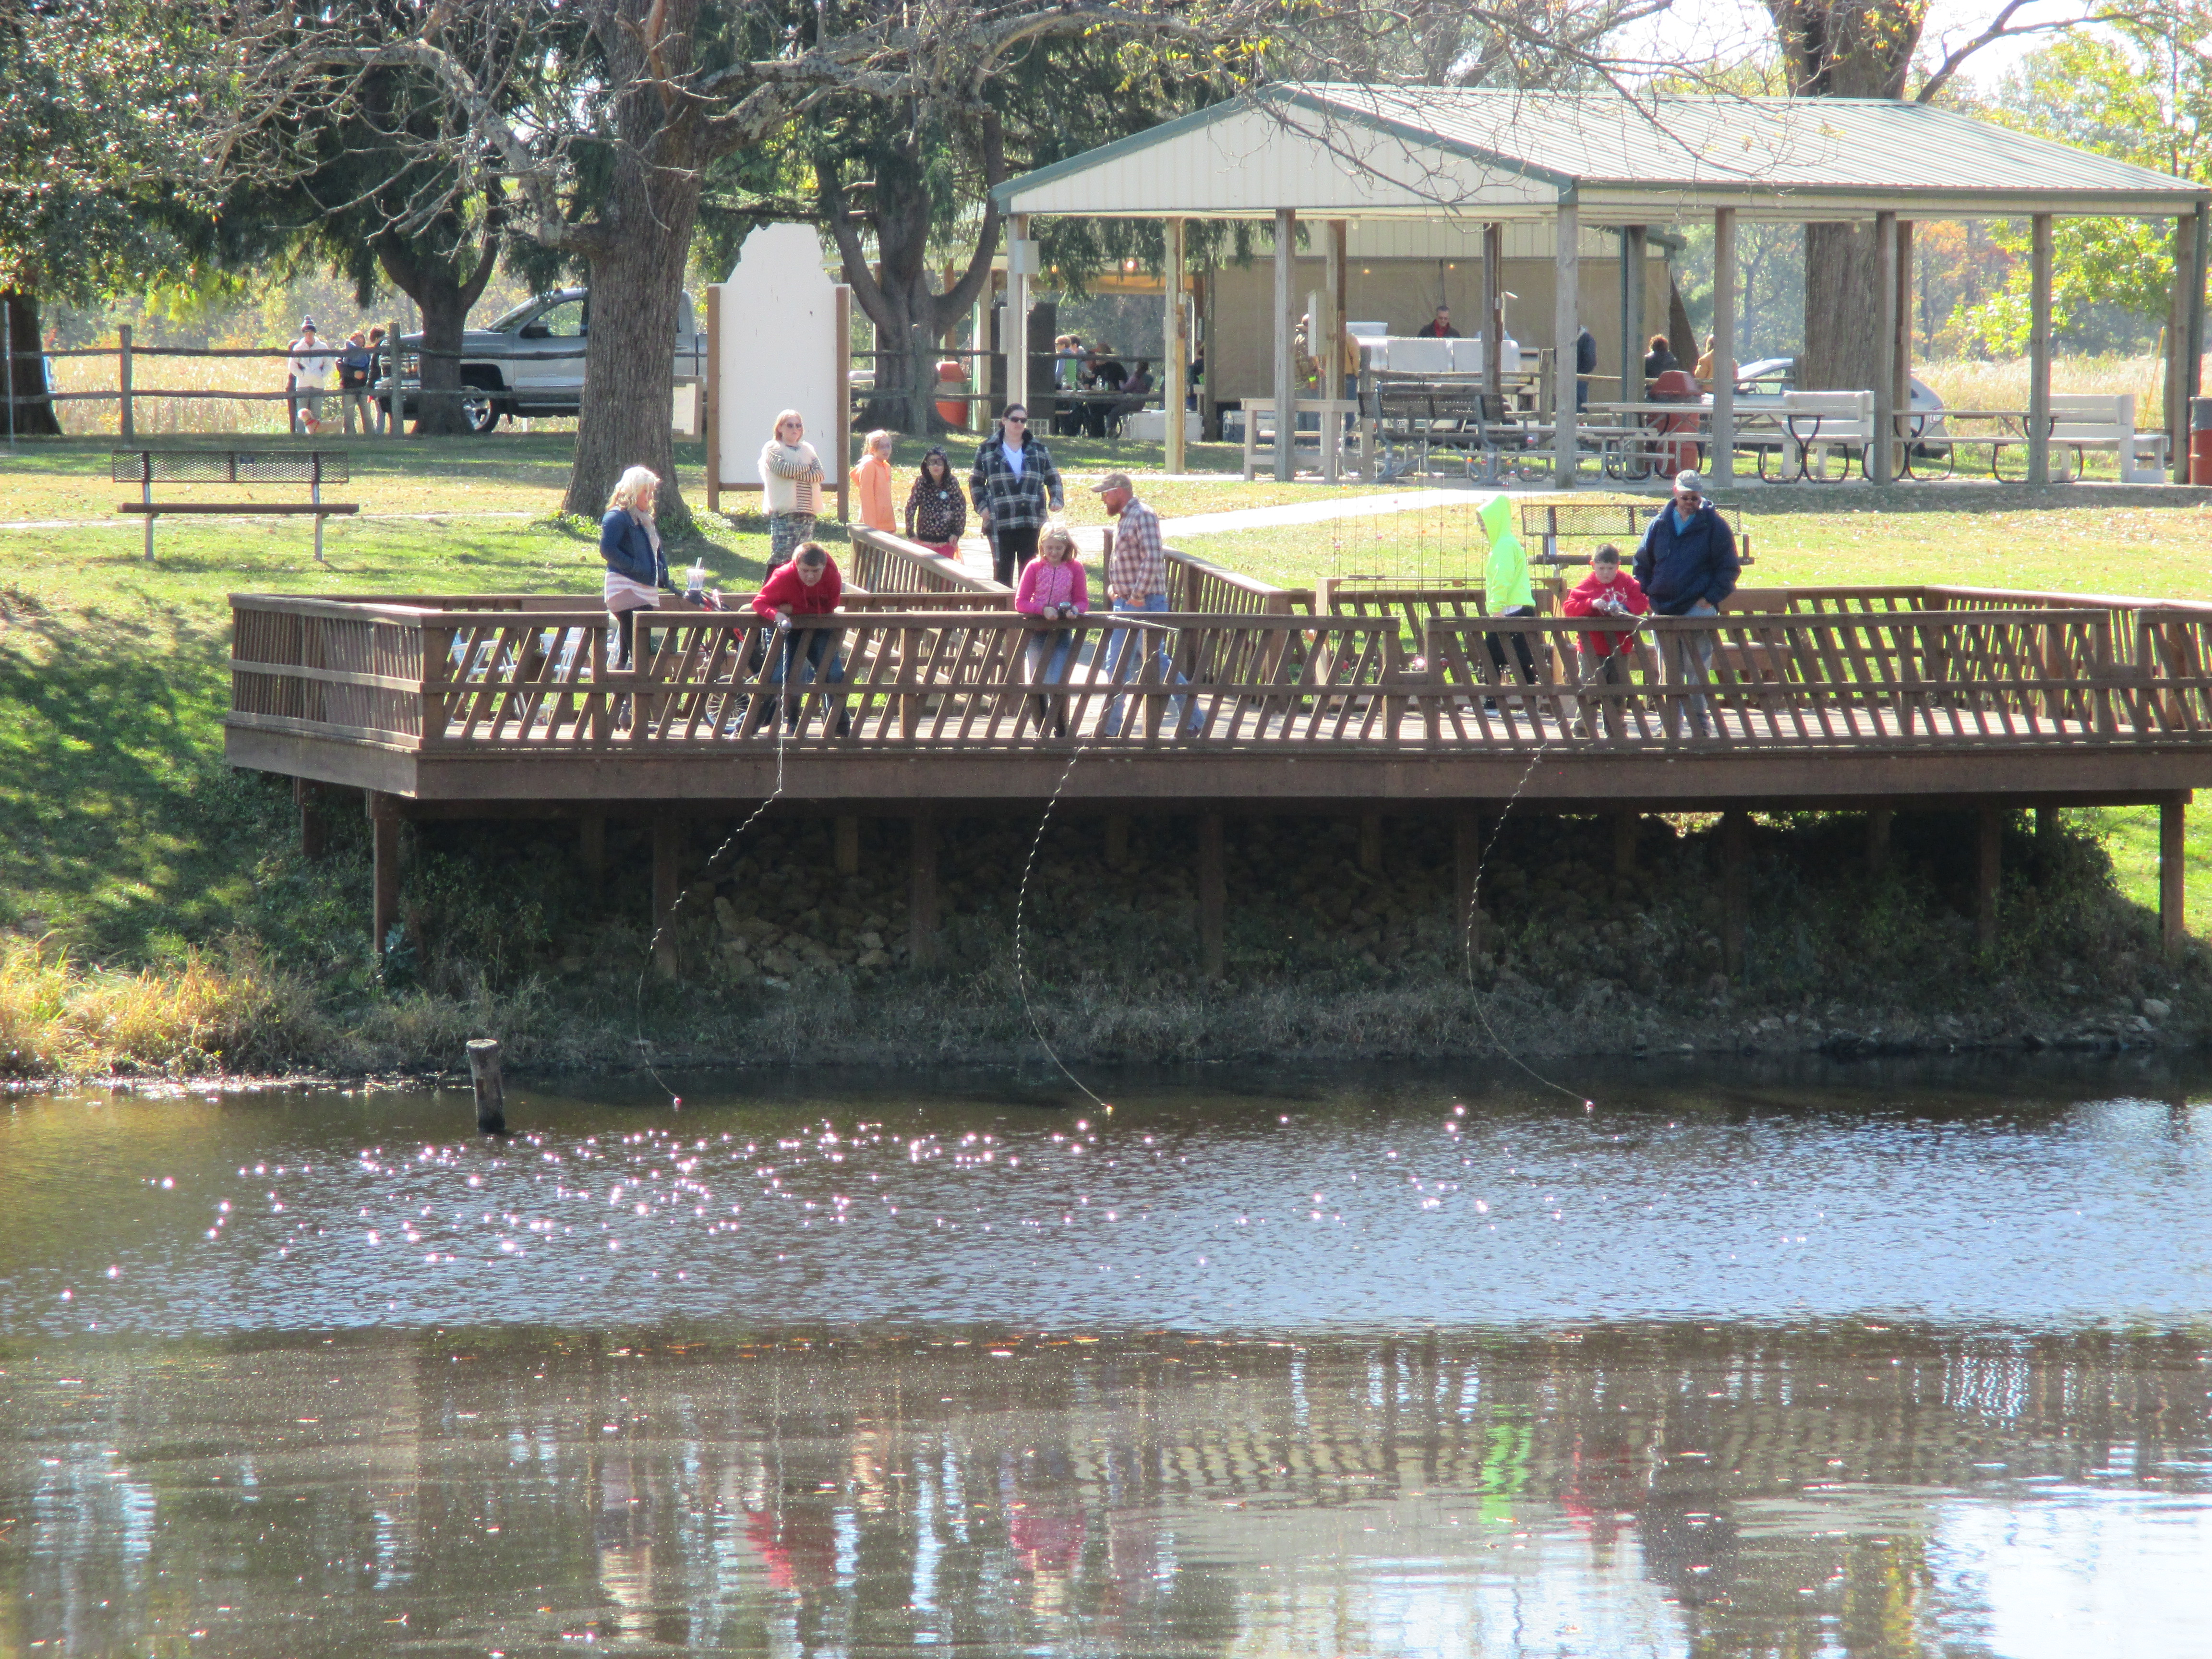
(511, 365)
(1761, 384)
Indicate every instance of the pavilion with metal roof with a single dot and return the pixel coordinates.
(1341, 152)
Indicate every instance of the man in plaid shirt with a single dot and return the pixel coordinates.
(1137, 579)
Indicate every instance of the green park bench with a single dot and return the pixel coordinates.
(312, 467)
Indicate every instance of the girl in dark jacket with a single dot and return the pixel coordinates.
(630, 542)
(936, 511)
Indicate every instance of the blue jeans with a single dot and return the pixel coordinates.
(1691, 658)
(822, 642)
(1119, 641)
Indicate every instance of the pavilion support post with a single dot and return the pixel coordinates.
(1881, 454)
(667, 878)
(1467, 864)
(1493, 336)
(1722, 464)
(1370, 842)
(1014, 330)
(1736, 856)
(1566, 325)
(921, 896)
(1901, 374)
(1176, 345)
(846, 854)
(2185, 357)
(1117, 840)
(1634, 279)
(711, 425)
(1212, 898)
(2039, 352)
(1327, 346)
(1879, 824)
(1988, 872)
(306, 796)
(2172, 870)
(1286, 376)
(384, 846)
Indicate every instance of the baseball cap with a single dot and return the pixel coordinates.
(1113, 481)
(1688, 480)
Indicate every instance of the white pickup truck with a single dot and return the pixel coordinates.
(515, 365)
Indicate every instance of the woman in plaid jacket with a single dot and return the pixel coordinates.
(1016, 488)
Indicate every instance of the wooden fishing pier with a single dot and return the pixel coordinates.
(1360, 698)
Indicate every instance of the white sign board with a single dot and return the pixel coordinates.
(777, 348)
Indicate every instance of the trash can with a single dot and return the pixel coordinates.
(2200, 441)
(952, 376)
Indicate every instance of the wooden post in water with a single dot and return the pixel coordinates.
(1213, 896)
(1117, 839)
(846, 855)
(921, 899)
(1988, 855)
(490, 1089)
(2172, 866)
(667, 856)
(1736, 836)
(1370, 842)
(384, 839)
(1467, 862)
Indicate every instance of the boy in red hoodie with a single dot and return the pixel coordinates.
(807, 585)
(1607, 591)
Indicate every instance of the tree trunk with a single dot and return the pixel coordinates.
(629, 355)
(25, 375)
(444, 320)
(1842, 310)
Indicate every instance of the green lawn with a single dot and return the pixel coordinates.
(124, 835)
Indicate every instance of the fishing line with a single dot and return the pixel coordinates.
(783, 642)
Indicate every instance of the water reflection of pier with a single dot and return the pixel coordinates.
(1744, 1494)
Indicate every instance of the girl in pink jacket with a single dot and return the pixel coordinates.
(1053, 590)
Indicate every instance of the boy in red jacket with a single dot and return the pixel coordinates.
(1607, 591)
(807, 585)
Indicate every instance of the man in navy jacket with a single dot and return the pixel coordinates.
(1687, 563)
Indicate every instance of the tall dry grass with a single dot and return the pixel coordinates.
(1964, 383)
(155, 415)
(212, 1012)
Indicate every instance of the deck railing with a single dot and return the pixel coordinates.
(883, 564)
(1828, 674)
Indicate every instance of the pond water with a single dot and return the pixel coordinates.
(1903, 1360)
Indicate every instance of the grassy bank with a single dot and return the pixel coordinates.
(153, 912)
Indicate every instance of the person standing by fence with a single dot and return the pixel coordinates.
(1137, 581)
(629, 544)
(936, 511)
(355, 361)
(871, 483)
(310, 375)
(1015, 487)
(791, 488)
(1687, 563)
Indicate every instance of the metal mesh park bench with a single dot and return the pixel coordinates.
(313, 468)
(1545, 525)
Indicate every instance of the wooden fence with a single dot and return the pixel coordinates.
(1838, 670)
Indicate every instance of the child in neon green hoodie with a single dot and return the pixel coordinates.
(1505, 589)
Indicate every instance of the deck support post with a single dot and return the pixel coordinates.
(1370, 842)
(1736, 836)
(1625, 825)
(1566, 329)
(1117, 839)
(2173, 867)
(1213, 896)
(384, 838)
(846, 855)
(921, 896)
(2038, 351)
(1722, 464)
(1988, 870)
(306, 795)
(1286, 366)
(1466, 865)
(667, 874)
(1878, 823)
(2047, 839)
(592, 850)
